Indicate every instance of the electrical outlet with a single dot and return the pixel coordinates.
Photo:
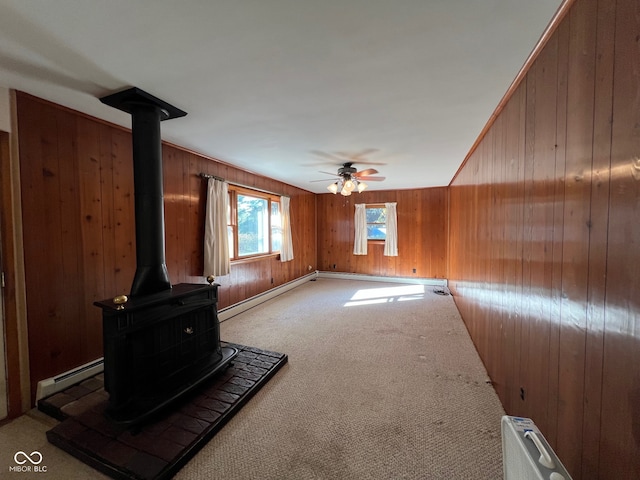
(414, 270)
(522, 393)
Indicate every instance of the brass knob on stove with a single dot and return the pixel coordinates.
(120, 300)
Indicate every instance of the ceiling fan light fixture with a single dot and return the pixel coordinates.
(333, 188)
(349, 185)
(349, 179)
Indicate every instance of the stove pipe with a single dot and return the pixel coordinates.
(147, 112)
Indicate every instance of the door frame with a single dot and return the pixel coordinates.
(10, 250)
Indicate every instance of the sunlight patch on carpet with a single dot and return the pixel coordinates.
(372, 296)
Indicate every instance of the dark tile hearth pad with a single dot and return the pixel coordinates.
(160, 448)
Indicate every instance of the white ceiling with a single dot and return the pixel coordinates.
(278, 87)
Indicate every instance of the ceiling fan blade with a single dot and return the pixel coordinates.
(332, 174)
(323, 180)
(320, 153)
(365, 152)
(371, 179)
(358, 155)
(368, 171)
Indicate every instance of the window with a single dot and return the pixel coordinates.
(253, 223)
(376, 222)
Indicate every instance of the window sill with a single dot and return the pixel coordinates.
(255, 258)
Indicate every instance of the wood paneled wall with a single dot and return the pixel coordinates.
(422, 234)
(544, 242)
(79, 237)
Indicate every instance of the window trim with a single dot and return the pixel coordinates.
(234, 191)
(375, 241)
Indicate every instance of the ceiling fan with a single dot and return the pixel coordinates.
(349, 179)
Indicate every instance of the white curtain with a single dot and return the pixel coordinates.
(286, 250)
(391, 239)
(360, 221)
(216, 242)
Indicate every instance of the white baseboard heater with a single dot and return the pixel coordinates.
(237, 308)
(526, 454)
(52, 385)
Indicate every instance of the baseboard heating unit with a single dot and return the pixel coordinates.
(58, 383)
(526, 454)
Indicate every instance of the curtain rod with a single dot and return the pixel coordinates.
(207, 176)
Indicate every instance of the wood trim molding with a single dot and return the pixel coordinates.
(6, 260)
(18, 376)
(18, 250)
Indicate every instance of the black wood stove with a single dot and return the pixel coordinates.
(161, 341)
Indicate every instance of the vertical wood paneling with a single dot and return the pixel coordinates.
(43, 250)
(514, 188)
(90, 279)
(107, 211)
(521, 304)
(562, 35)
(496, 245)
(569, 204)
(174, 195)
(483, 247)
(70, 266)
(79, 230)
(577, 203)
(597, 269)
(528, 309)
(124, 263)
(620, 420)
(422, 234)
(541, 238)
(194, 188)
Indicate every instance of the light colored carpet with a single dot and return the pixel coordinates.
(383, 382)
(28, 434)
